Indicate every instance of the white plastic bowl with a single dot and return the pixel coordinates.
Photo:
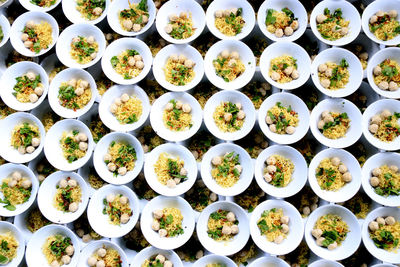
(295, 6)
(52, 147)
(90, 249)
(117, 6)
(189, 52)
(5, 171)
(248, 16)
(65, 76)
(234, 97)
(349, 13)
(7, 151)
(348, 246)
(286, 100)
(296, 229)
(102, 149)
(325, 263)
(73, 15)
(63, 46)
(349, 189)
(158, 124)
(339, 105)
(117, 91)
(245, 177)
(176, 151)
(299, 176)
(6, 227)
(375, 109)
(335, 55)
(246, 56)
(212, 259)
(286, 48)
(152, 236)
(149, 252)
(8, 80)
(119, 46)
(5, 27)
(269, 261)
(176, 7)
(19, 24)
(27, 4)
(224, 247)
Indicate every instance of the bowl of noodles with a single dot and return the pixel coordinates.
(22, 137)
(40, 5)
(178, 217)
(289, 175)
(43, 29)
(214, 259)
(335, 123)
(285, 65)
(25, 86)
(170, 169)
(80, 46)
(217, 216)
(229, 115)
(269, 260)
(227, 169)
(5, 30)
(229, 64)
(336, 72)
(347, 232)
(334, 175)
(124, 108)
(282, 20)
(180, 21)
(176, 116)
(284, 118)
(94, 253)
(126, 61)
(13, 240)
(118, 158)
(335, 22)
(68, 145)
(234, 20)
(178, 68)
(85, 11)
(149, 254)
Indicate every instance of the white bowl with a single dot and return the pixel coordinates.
(299, 176)
(189, 52)
(286, 100)
(224, 247)
(120, 46)
(376, 161)
(176, 7)
(349, 13)
(34, 255)
(286, 48)
(212, 259)
(63, 46)
(73, 15)
(152, 236)
(269, 261)
(5, 27)
(372, 110)
(117, 6)
(52, 148)
(234, 97)
(157, 111)
(176, 151)
(47, 193)
(6, 227)
(100, 222)
(296, 229)
(348, 246)
(65, 76)
(90, 249)
(295, 6)
(102, 149)
(339, 105)
(148, 252)
(245, 161)
(5, 171)
(387, 53)
(349, 189)
(107, 100)
(246, 56)
(248, 16)
(325, 263)
(27, 4)
(8, 79)
(7, 151)
(370, 10)
(19, 24)
(335, 55)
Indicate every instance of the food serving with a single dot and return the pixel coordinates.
(105, 256)
(274, 225)
(330, 231)
(127, 109)
(74, 145)
(84, 49)
(281, 23)
(157, 260)
(28, 88)
(134, 18)
(333, 76)
(281, 119)
(222, 225)
(25, 138)
(386, 180)
(68, 195)
(332, 174)
(74, 94)
(385, 126)
(283, 69)
(384, 25)
(58, 250)
(37, 36)
(167, 222)
(226, 169)
(387, 75)
(229, 117)
(180, 27)
(334, 125)
(179, 70)
(331, 25)
(117, 208)
(177, 116)
(228, 65)
(278, 171)
(16, 190)
(128, 64)
(90, 10)
(8, 248)
(385, 233)
(170, 170)
(120, 159)
(229, 21)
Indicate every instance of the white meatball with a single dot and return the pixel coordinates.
(55, 264)
(278, 239)
(319, 241)
(28, 44)
(174, 57)
(168, 29)
(72, 183)
(123, 200)
(241, 115)
(373, 226)
(295, 74)
(380, 220)
(288, 31)
(171, 183)
(136, 27)
(110, 198)
(392, 13)
(275, 76)
(30, 149)
(122, 171)
(390, 220)
(124, 97)
(376, 171)
(219, 13)
(342, 168)
(107, 157)
(100, 263)
(230, 216)
(178, 104)
(97, 11)
(217, 160)
(316, 233)
(394, 168)
(347, 177)
(271, 168)
(225, 54)
(306, 210)
(279, 32)
(321, 18)
(325, 82)
(157, 214)
(267, 177)
(24, 37)
(232, 63)
(285, 228)
(234, 229)
(16, 175)
(30, 24)
(155, 225)
(33, 98)
(393, 86)
(377, 70)
(111, 167)
(70, 250)
(376, 119)
(168, 264)
(39, 90)
(26, 184)
(344, 31)
(226, 230)
(235, 55)
(160, 258)
(321, 124)
(272, 128)
(374, 181)
(288, 70)
(139, 64)
(73, 207)
(92, 261)
(294, 25)
(364, 55)
(384, 85)
(385, 113)
(169, 106)
(271, 160)
(189, 63)
(332, 246)
(21, 150)
(79, 91)
(227, 117)
(63, 183)
(322, 67)
(285, 219)
(66, 259)
(213, 197)
(186, 108)
(12, 183)
(183, 172)
(93, 55)
(162, 233)
(101, 252)
(290, 130)
(124, 218)
(329, 72)
(83, 146)
(335, 161)
(373, 128)
(373, 19)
